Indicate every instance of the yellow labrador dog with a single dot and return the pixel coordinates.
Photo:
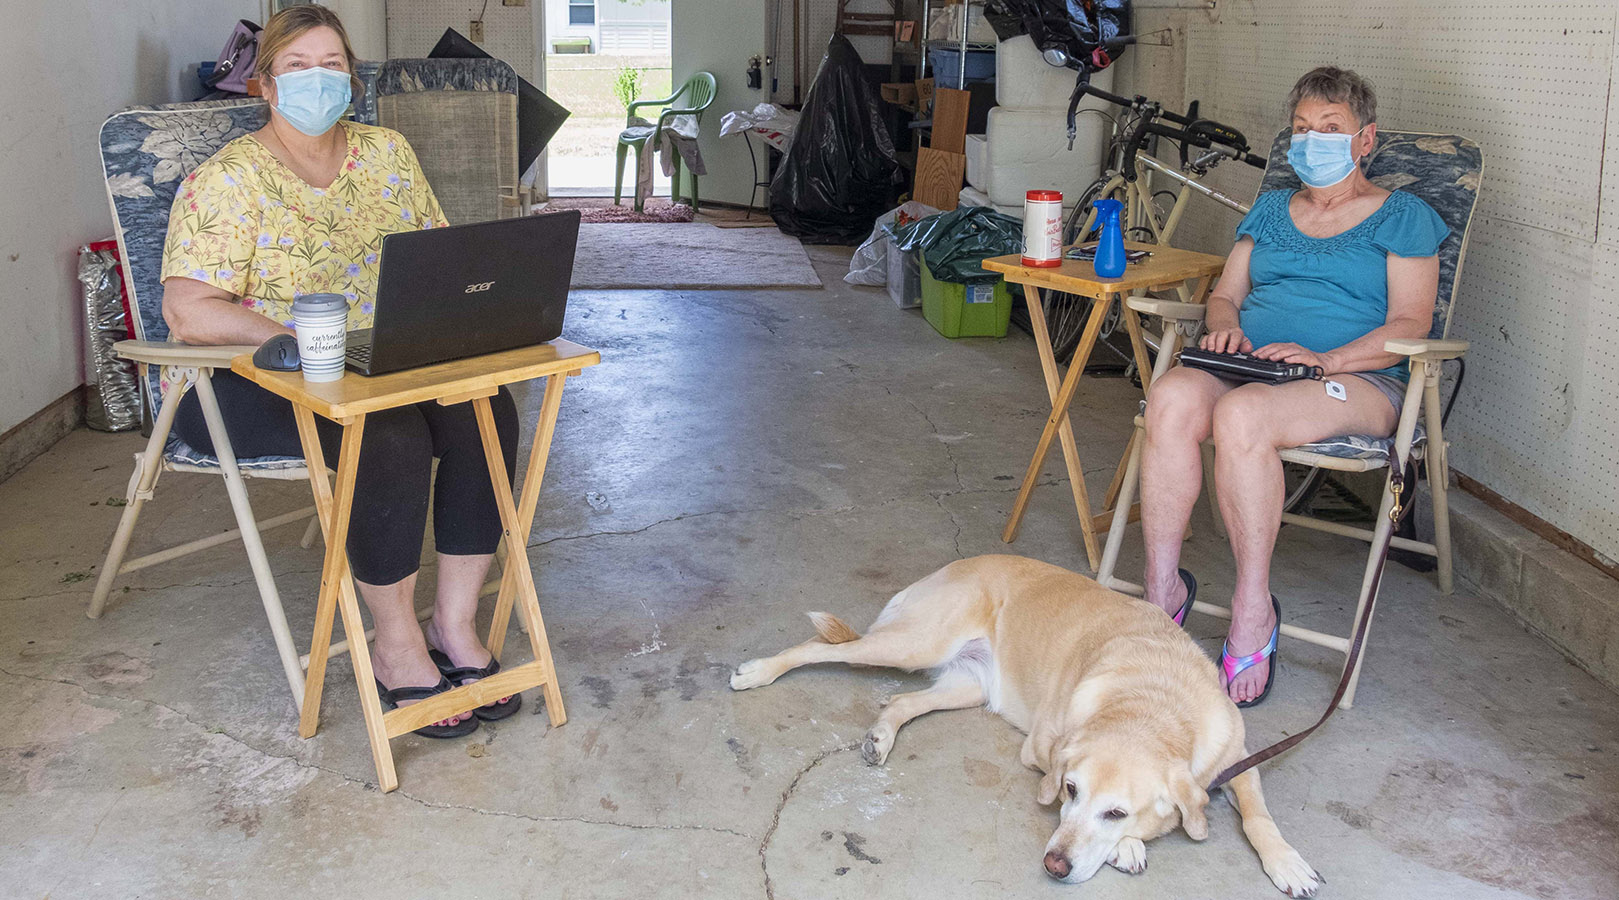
(1124, 714)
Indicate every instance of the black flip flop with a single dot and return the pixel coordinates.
(489, 712)
(391, 697)
(1191, 595)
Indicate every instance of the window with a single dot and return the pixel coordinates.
(581, 12)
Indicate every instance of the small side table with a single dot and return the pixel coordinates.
(348, 401)
(1166, 268)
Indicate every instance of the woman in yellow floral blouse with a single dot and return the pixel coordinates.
(301, 207)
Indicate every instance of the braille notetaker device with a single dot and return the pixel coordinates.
(1243, 367)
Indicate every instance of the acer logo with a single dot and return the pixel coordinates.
(478, 288)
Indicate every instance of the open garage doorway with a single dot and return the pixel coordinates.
(599, 56)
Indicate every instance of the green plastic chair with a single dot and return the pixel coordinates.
(699, 93)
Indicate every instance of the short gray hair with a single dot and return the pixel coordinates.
(1335, 85)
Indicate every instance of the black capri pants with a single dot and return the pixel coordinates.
(395, 471)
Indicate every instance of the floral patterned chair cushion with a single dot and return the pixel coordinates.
(146, 152)
(1445, 171)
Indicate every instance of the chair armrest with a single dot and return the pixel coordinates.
(169, 353)
(1169, 309)
(1423, 348)
(664, 101)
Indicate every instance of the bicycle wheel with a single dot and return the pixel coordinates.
(1076, 218)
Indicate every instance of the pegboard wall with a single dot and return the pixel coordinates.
(817, 19)
(1537, 420)
(414, 26)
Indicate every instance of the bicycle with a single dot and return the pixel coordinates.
(1143, 219)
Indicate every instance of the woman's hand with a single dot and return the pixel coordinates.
(1293, 353)
(1226, 340)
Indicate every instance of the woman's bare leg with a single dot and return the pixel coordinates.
(1251, 424)
(1179, 419)
(454, 627)
(399, 654)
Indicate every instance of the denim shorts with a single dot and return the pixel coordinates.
(1391, 387)
(1387, 385)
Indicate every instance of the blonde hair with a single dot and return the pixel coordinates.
(294, 22)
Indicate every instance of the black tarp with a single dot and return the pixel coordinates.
(840, 173)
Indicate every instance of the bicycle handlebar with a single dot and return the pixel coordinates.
(1204, 133)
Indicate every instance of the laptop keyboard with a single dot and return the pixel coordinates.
(360, 353)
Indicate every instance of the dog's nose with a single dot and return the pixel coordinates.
(1056, 865)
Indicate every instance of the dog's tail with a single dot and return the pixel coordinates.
(832, 629)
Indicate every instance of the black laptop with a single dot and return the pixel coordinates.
(466, 290)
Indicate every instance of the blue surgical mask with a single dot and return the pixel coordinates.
(312, 100)
(1322, 159)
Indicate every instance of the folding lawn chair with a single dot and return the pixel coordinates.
(1445, 171)
(146, 153)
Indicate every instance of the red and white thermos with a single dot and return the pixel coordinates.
(1042, 229)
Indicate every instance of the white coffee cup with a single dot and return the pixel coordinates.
(321, 322)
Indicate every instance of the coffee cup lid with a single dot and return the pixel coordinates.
(317, 304)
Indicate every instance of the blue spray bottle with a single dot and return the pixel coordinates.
(1110, 247)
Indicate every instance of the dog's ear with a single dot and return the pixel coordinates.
(1057, 764)
(1190, 798)
(1050, 785)
(1036, 753)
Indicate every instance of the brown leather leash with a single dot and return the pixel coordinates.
(1396, 513)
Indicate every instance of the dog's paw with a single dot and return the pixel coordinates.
(751, 674)
(1292, 875)
(1129, 856)
(876, 747)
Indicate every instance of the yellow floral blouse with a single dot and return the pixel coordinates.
(245, 223)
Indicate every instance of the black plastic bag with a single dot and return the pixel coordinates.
(840, 172)
(1076, 27)
(955, 243)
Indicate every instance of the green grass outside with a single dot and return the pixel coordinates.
(583, 84)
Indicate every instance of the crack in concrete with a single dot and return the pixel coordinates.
(786, 796)
(937, 496)
(646, 528)
(89, 587)
(955, 470)
(363, 783)
(507, 814)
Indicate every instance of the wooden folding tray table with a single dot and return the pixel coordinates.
(1167, 268)
(348, 401)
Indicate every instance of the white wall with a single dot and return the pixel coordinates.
(1537, 420)
(68, 65)
(718, 37)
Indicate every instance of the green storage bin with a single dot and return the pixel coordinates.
(965, 310)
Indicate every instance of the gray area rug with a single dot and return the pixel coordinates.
(693, 255)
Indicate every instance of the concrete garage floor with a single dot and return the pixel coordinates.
(740, 458)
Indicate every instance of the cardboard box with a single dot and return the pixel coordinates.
(899, 93)
(924, 97)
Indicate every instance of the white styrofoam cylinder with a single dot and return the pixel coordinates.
(1028, 150)
(977, 169)
(971, 196)
(1023, 80)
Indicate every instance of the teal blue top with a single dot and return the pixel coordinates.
(1323, 293)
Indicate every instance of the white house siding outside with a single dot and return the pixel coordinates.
(619, 27)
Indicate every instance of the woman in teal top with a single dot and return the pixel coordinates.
(1324, 276)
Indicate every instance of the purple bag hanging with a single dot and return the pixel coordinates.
(236, 61)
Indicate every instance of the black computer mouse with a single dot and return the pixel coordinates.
(278, 354)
